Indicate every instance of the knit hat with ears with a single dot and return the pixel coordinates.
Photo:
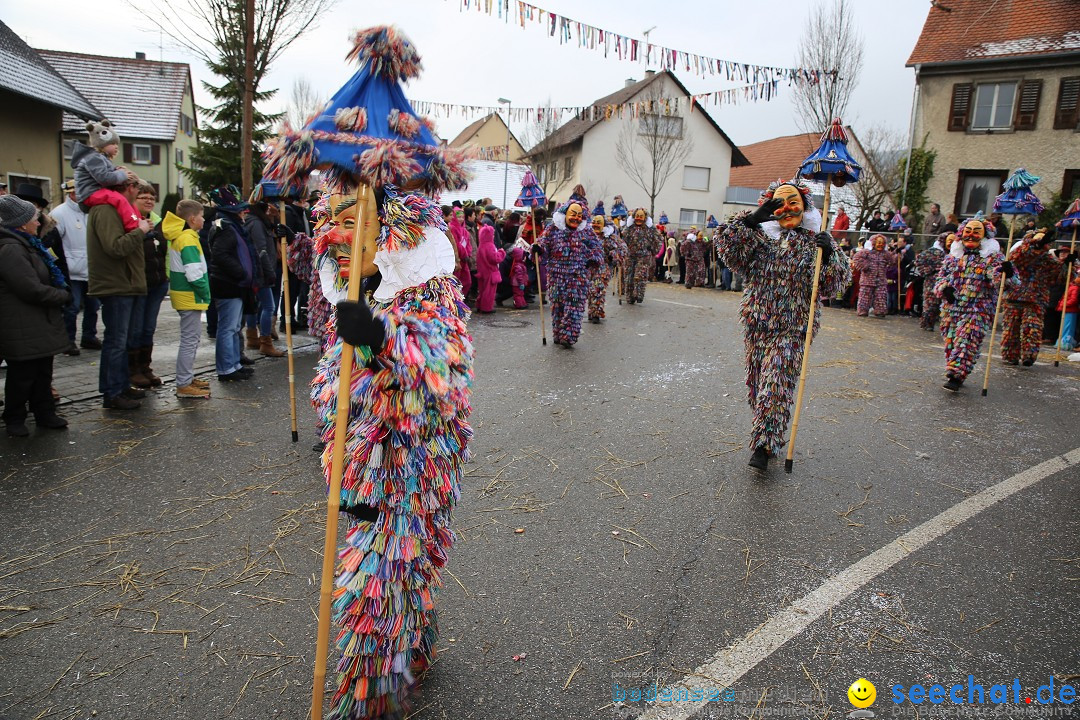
(102, 134)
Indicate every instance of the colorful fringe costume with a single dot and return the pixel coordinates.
(407, 445)
(778, 267)
(974, 275)
(1025, 304)
(614, 250)
(693, 251)
(568, 254)
(927, 264)
(873, 286)
(642, 244)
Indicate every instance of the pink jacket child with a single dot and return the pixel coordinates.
(461, 239)
(519, 277)
(487, 269)
(95, 173)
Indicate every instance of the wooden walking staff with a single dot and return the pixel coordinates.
(288, 320)
(789, 463)
(997, 312)
(539, 281)
(365, 230)
(1065, 298)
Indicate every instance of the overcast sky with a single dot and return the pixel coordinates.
(472, 58)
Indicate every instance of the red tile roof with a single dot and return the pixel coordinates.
(772, 159)
(967, 30)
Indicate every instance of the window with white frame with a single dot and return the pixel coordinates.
(695, 178)
(541, 174)
(179, 156)
(568, 167)
(994, 106)
(141, 154)
(691, 217)
(661, 125)
(553, 170)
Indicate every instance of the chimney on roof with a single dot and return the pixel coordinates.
(629, 82)
(140, 56)
(650, 73)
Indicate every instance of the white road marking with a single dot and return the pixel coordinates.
(672, 302)
(730, 664)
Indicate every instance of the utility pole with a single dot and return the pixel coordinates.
(646, 34)
(506, 158)
(249, 99)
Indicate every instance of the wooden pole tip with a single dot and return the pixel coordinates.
(788, 465)
(545, 341)
(295, 436)
(984, 392)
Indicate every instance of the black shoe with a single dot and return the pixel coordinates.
(19, 430)
(211, 335)
(953, 385)
(246, 371)
(120, 402)
(134, 393)
(281, 325)
(594, 321)
(1029, 362)
(233, 376)
(53, 422)
(73, 350)
(318, 447)
(91, 343)
(245, 360)
(760, 459)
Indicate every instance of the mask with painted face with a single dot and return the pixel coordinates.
(973, 234)
(598, 224)
(340, 236)
(949, 240)
(639, 217)
(879, 242)
(790, 214)
(574, 215)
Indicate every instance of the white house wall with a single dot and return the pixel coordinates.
(598, 169)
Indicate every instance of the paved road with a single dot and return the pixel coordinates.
(169, 559)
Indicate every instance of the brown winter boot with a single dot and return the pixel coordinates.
(252, 339)
(135, 370)
(146, 356)
(266, 347)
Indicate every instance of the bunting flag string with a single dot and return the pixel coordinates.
(763, 91)
(569, 31)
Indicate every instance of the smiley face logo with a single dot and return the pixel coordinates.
(862, 693)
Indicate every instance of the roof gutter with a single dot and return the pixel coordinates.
(1072, 55)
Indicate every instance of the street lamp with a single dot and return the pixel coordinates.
(506, 157)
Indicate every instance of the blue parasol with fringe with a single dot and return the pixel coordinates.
(368, 133)
(531, 195)
(832, 161)
(1018, 198)
(1071, 219)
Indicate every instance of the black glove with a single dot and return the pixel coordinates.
(764, 212)
(357, 326)
(1007, 268)
(1070, 258)
(824, 241)
(282, 231)
(949, 294)
(535, 249)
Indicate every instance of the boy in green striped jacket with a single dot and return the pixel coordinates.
(189, 291)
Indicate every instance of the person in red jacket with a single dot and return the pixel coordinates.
(841, 225)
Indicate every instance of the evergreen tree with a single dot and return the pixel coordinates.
(216, 161)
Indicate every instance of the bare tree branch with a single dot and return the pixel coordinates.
(832, 42)
(303, 103)
(653, 146)
(881, 178)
